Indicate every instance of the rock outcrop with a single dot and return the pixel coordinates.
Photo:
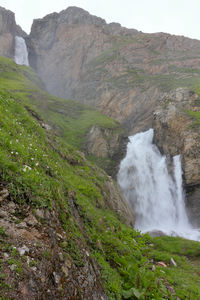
(38, 246)
(8, 30)
(120, 71)
(106, 144)
(116, 202)
(177, 132)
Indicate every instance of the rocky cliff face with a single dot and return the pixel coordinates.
(122, 72)
(8, 30)
(108, 145)
(177, 132)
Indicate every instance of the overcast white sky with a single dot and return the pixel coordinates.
(179, 17)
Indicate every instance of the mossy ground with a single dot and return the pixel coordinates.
(40, 169)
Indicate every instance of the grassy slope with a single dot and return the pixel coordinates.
(196, 114)
(69, 119)
(42, 170)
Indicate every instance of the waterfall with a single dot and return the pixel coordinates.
(155, 195)
(21, 53)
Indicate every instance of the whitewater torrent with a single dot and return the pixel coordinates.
(156, 196)
(21, 53)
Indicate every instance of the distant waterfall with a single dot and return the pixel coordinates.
(21, 53)
(156, 196)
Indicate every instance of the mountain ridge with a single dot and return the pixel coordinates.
(122, 73)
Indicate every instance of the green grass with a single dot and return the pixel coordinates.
(73, 121)
(197, 88)
(40, 170)
(185, 277)
(43, 170)
(69, 119)
(195, 115)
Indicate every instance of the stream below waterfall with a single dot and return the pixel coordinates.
(156, 196)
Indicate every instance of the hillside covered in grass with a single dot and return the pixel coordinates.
(69, 120)
(65, 230)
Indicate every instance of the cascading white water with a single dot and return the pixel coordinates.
(179, 196)
(21, 53)
(156, 196)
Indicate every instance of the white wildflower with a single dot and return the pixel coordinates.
(26, 168)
